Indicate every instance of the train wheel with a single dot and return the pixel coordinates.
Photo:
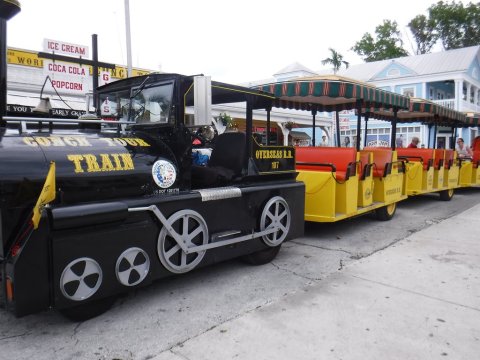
(89, 310)
(447, 195)
(276, 215)
(262, 257)
(193, 231)
(387, 212)
(80, 279)
(132, 266)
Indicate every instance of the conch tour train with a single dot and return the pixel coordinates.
(93, 208)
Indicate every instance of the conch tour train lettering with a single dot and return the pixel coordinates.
(102, 162)
(76, 141)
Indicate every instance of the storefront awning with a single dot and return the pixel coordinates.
(299, 135)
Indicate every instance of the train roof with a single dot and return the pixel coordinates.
(222, 93)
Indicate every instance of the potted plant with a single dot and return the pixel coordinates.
(225, 119)
(289, 125)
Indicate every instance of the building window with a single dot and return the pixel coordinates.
(393, 72)
(408, 91)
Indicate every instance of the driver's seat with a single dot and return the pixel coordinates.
(225, 164)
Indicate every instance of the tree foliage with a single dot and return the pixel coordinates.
(423, 31)
(456, 25)
(388, 43)
(453, 24)
(336, 60)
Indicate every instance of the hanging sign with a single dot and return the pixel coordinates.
(63, 48)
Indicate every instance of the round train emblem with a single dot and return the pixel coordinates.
(164, 173)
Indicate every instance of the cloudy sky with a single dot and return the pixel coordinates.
(233, 41)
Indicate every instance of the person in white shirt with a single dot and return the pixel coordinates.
(463, 150)
(324, 141)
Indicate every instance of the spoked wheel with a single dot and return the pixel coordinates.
(80, 279)
(387, 212)
(447, 195)
(276, 215)
(132, 266)
(192, 230)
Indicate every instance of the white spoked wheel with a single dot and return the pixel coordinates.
(81, 279)
(275, 215)
(191, 229)
(132, 266)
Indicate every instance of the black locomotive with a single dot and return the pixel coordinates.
(90, 209)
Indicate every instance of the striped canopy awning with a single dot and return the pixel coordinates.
(424, 111)
(332, 94)
(441, 114)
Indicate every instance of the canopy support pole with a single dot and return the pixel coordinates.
(249, 123)
(337, 124)
(269, 108)
(429, 133)
(452, 139)
(365, 133)
(314, 112)
(394, 128)
(359, 124)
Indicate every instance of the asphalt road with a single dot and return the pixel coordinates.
(150, 321)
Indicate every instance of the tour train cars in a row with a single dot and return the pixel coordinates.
(346, 182)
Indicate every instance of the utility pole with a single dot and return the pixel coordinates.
(128, 38)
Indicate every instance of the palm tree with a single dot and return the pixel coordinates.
(336, 59)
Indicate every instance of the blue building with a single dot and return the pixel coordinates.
(449, 78)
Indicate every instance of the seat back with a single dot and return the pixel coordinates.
(449, 158)
(413, 154)
(365, 165)
(229, 152)
(312, 158)
(476, 158)
(382, 160)
(476, 143)
(439, 158)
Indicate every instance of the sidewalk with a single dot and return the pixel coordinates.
(419, 299)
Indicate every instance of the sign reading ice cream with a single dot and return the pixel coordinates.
(64, 48)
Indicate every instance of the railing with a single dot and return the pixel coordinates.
(465, 106)
(448, 103)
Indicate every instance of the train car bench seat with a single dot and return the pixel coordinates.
(419, 169)
(331, 181)
(387, 175)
